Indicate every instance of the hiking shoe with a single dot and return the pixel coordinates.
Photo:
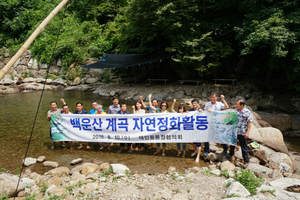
(52, 147)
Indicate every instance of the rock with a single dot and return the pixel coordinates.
(50, 164)
(254, 135)
(16, 63)
(56, 191)
(216, 172)
(212, 167)
(59, 81)
(59, 171)
(296, 166)
(112, 93)
(76, 81)
(254, 160)
(281, 121)
(76, 178)
(8, 185)
(273, 138)
(76, 161)
(41, 73)
(91, 80)
(263, 123)
(27, 182)
(96, 73)
(213, 149)
(211, 157)
(20, 80)
(256, 116)
(178, 94)
(33, 64)
(29, 80)
(53, 70)
(279, 161)
(252, 103)
(284, 182)
(22, 69)
(238, 154)
(237, 189)
(260, 170)
(59, 63)
(104, 166)
(163, 195)
(90, 187)
(54, 181)
(276, 174)
(179, 178)
(41, 159)
(119, 169)
(171, 170)
(93, 176)
(7, 81)
(261, 155)
(227, 166)
(29, 161)
(195, 170)
(89, 168)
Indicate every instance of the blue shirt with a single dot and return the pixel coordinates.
(113, 110)
(158, 110)
(194, 110)
(126, 112)
(93, 111)
(82, 112)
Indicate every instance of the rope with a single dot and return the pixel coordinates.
(36, 114)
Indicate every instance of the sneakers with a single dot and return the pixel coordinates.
(52, 147)
(225, 152)
(63, 145)
(130, 151)
(245, 165)
(120, 151)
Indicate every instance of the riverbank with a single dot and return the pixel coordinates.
(102, 180)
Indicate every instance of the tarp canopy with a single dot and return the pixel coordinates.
(110, 61)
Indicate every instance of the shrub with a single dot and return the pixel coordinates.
(248, 180)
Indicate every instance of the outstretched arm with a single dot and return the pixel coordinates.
(224, 101)
(133, 109)
(143, 104)
(172, 108)
(63, 101)
(150, 104)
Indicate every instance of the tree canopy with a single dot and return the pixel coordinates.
(246, 39)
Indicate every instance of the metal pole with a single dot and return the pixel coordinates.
(37, 31)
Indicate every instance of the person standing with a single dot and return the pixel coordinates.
(197, 146)
(243, 129)
(138, 109)
(54, 110)
(163, 106)
(213, 105)
(100, 112)
(80, 110)
(66, 111)
(123, 111)
(181, 109)
(115, 107)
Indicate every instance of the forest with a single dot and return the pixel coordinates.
(250, 40)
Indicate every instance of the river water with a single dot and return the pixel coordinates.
(17, 116)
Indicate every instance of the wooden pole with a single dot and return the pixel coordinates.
(32, 37)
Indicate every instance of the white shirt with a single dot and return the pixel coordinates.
(214, 107)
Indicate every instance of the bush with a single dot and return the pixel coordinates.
(248, 180)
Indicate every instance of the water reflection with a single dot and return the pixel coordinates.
(17, 117)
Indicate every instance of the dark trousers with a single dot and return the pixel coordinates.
(243, 143)
(225, 147)
(206, 146)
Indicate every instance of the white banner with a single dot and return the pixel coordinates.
(217, 126)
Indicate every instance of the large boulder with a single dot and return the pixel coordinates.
(255, 135)
(226, 165)
(59, 81)
(281, 121)
(29, 161)
(33, 64)
(263, 123)
(76, 81)
(119, 168)
(96, 73)
(60, 171)
(29, 80)
(252, 103)
(91, 80)
(8, 185)
(89, 168)
(260, 170)
(273, 138)
(281, 161)
(237, 189)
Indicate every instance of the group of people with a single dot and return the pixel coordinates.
(244, 122)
